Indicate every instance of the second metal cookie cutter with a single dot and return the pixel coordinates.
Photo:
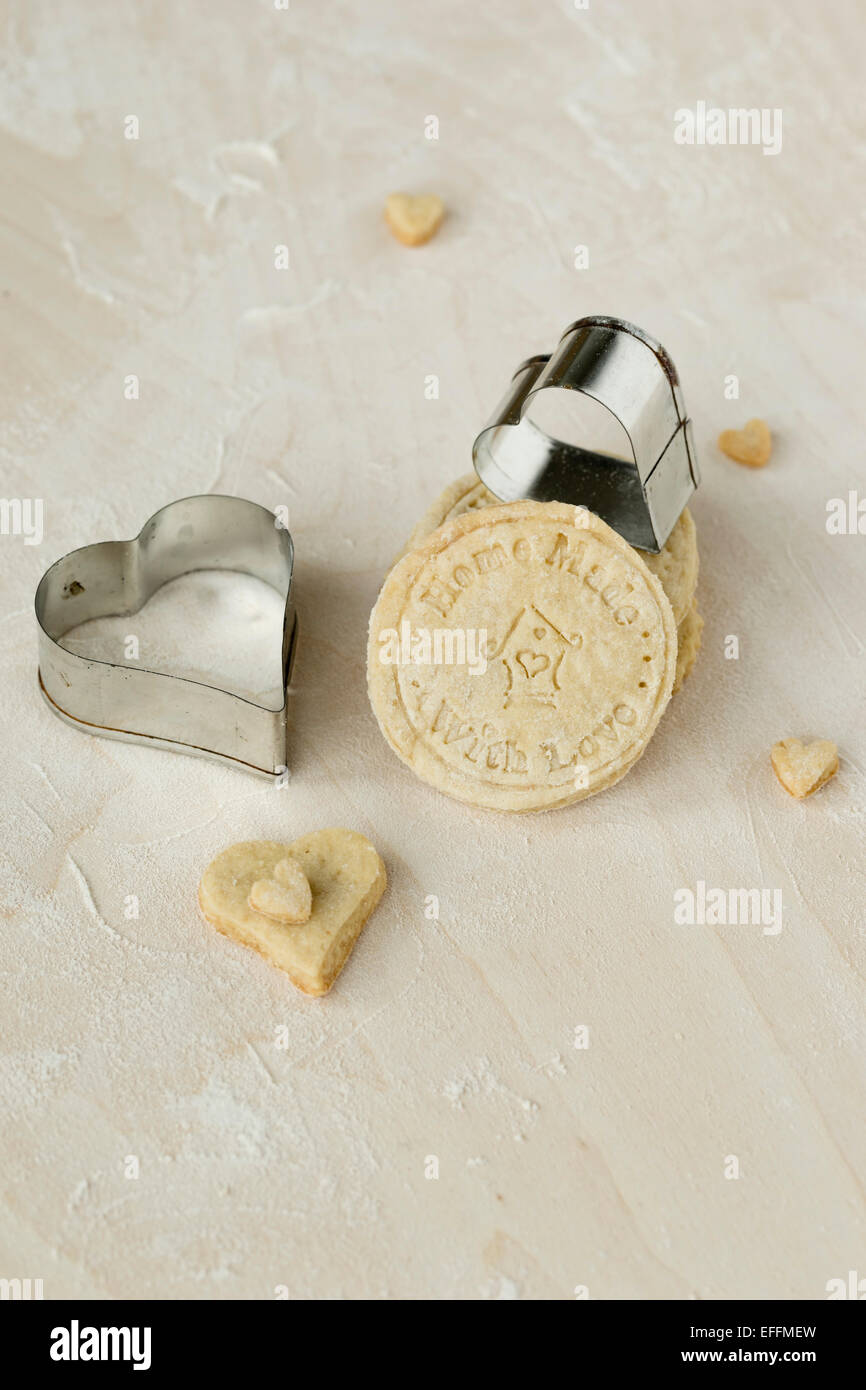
(118, 577)
(630, 374)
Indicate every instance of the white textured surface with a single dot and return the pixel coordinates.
(304, 1166)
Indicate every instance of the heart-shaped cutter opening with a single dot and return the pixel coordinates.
(633, 378)
(114, 578)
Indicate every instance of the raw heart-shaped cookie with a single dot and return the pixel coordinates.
(752, 445)
(414, 219)
(346, 877)
(804, 767)
(284, 898)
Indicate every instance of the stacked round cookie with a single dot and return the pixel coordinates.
(522, 654)
(676, 565)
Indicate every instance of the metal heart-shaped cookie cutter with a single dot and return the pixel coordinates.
(630, 374)
(118, 577)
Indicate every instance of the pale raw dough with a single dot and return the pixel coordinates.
(414, 219)
(804, 767)
(676, 564)
(752, 445)
(287, 897)
(581, 656)
(688, 644)
(466, 494)
(347, 879)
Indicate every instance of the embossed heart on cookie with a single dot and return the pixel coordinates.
(533, 663)
(414, 219)
(345, 879)
(804, 767)
(752, 445)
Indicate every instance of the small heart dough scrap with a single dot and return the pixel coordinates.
(804, 767)
(346, 879)
(286, 897)
(414, 219)
(751, 445)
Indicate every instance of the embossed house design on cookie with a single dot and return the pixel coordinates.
(532, 652)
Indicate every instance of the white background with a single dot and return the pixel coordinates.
(154, 1037)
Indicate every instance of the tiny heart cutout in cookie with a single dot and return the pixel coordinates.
(804, 767)
(286, 897)
(414, 219)
(752, 445)
(346, 878)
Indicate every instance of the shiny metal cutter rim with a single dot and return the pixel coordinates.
(139, 705)
(630, 374)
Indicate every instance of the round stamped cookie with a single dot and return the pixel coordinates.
(688, 644)
(676, 564)
(466, 494)
(521, 656)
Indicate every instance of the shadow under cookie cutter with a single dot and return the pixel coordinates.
(113, 578)
(629, 373)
